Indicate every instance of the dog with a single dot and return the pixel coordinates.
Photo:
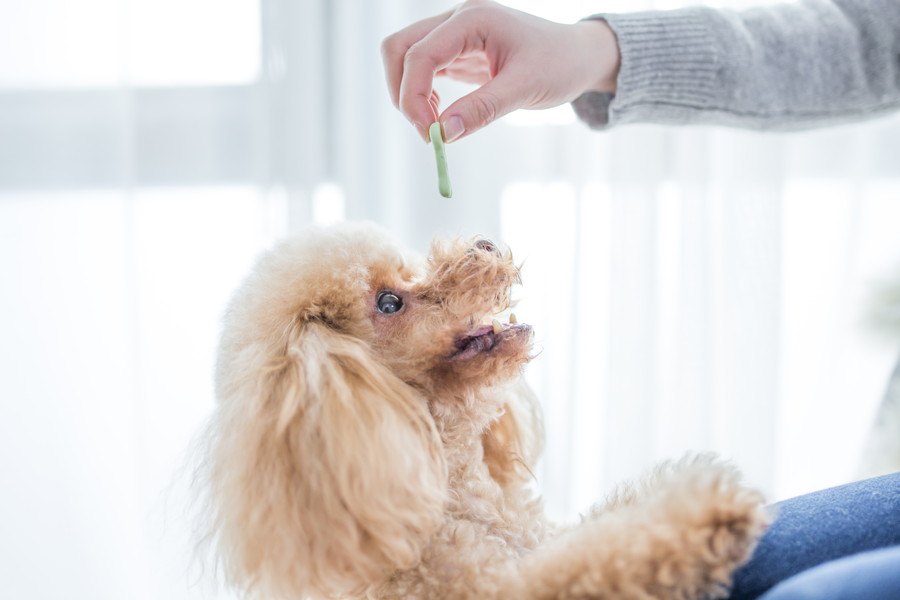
(373, 438)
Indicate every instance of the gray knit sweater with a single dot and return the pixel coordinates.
(785, 66)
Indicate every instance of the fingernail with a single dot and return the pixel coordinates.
(453, 128)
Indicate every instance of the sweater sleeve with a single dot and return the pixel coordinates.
(787, 66)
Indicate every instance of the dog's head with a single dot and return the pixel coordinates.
(341, 361)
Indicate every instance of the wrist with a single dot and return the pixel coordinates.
(599, 52)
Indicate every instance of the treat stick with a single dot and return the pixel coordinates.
(440, 154)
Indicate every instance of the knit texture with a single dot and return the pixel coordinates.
(787, 66)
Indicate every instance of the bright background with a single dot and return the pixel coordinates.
(691, 288)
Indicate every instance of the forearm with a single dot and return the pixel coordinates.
(787, 66)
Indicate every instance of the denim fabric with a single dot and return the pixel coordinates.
(823, 526)
(872, 575)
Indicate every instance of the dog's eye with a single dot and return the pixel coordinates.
(389, 303)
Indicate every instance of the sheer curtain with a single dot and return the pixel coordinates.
(690, 289)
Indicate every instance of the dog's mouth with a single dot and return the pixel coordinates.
(486, 338)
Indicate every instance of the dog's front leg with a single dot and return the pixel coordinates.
(677, 535)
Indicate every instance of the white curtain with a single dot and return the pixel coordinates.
(690, 288)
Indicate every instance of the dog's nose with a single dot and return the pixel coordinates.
(487, 246)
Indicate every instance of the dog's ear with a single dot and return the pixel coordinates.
(513, 443)
(327, 472)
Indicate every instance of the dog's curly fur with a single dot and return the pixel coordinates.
(355, 453)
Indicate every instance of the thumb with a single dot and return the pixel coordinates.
(485, 105)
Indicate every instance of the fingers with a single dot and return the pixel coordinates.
(471, 69)
(499, 96)
(454, 44)
(395, 46)
(438, 49)
(434, 101)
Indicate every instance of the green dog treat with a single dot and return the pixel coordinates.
(440, 153)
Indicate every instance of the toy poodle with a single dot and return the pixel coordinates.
(373, 438)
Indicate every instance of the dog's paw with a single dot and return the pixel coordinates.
(678, 533)
(719, 518)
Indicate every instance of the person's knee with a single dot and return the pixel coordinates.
(797, 588)
(873, 575)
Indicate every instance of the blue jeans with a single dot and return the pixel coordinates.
(819, 546)
(872, 575)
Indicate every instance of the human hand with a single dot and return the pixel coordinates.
(517, 59)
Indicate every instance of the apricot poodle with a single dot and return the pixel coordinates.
(373, 438)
